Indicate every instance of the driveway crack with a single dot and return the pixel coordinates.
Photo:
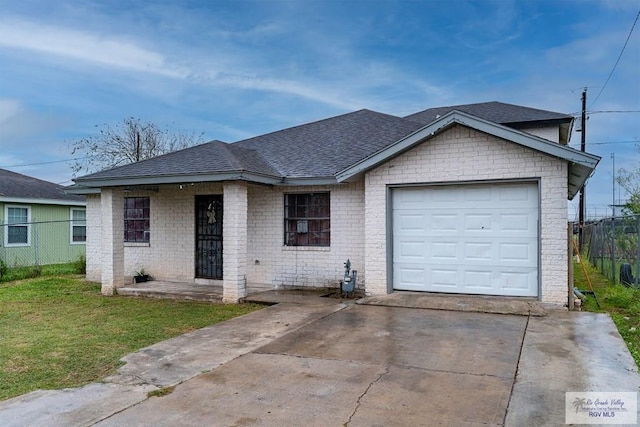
(355, 410)
(517, 371)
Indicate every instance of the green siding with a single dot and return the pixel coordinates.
(50, 237)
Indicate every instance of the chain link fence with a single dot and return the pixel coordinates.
(41, 243)
(611, 244)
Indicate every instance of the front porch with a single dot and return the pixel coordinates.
(321, 295)
(189, 291)
(181, 290)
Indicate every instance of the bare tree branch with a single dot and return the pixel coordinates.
(127, 142)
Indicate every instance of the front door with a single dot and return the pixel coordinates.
(209, 237)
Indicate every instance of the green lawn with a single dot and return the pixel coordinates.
(59, 331)
(622, 303)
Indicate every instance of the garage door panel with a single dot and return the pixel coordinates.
(444, 222)
(442, 251)
(478, 194)
(409, 222)
(479, 280)
(478, 251)
(467, 238)
(444, 280)
(517, 253)
(411, 252)
(478, 222)
(410, 278)
(520, 194)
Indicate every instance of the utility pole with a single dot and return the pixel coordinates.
(583, 143)
(138, 146)
(613, 186)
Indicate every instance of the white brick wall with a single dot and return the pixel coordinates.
(234, 241)
(271, 263)
(93, 248)
(463, 154)
(112, 247)
(459, 154)
(170, 255)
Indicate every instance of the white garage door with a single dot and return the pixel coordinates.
(473, 239)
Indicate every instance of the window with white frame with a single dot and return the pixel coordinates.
(78, 226)
(18, 227)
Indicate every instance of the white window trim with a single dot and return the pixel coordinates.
(6, 227)
(71, 225)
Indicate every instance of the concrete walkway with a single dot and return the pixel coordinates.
(321, 361)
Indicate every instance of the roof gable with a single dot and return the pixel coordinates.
(580, 164)
(515, 116)
(16, 187)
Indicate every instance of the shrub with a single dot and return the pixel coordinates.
(3, 268)
(80, 265)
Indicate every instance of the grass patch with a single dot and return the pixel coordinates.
(622, 303)
(59, 331)
(161, 392)
(11, 274)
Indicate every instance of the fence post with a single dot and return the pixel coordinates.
(638, 250)
(613, 250)
(35, 243)
(570, 258)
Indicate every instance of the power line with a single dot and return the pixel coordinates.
(43, 163)
(618, 60)
(613, 111)
(608, 142)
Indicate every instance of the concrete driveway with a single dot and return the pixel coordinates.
(314, 361)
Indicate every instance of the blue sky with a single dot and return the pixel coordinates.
(236, 69)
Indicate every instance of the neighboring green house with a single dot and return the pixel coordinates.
(39, 223)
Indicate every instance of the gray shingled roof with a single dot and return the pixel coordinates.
(316, 150)
(210, 158)
(497, 112)
(17, 186)
(325, 147)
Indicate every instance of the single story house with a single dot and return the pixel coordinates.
(39, 222)
(465, 199)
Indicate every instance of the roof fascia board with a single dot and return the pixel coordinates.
(25, 200)
(181, 179)
(329, 180)
(458, 117)
(82, 191)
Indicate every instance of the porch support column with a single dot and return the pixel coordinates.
(234, 238)
(112, 239)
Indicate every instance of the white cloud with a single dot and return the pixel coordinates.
(84, 46)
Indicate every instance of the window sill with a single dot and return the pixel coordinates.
(137, 244)
(307, 248)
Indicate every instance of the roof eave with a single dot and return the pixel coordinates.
(319, 180)
(38, 201)
(180, 179)
(581, 164)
